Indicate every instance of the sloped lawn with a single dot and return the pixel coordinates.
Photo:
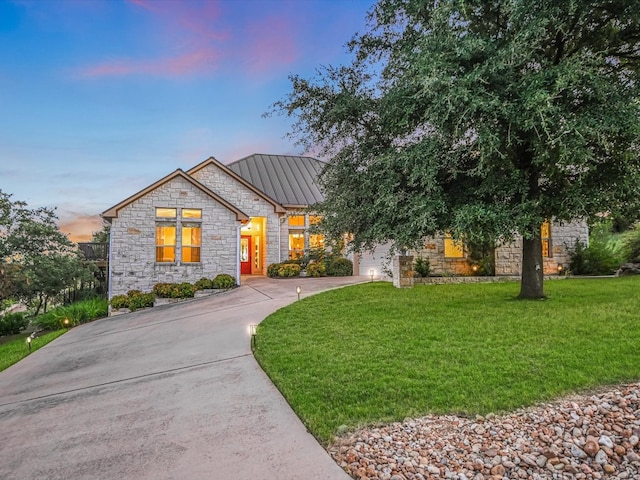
(15, 349)
(372, 353)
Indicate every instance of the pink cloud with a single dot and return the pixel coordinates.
(80, 227)
(273, 44)
(198, 61)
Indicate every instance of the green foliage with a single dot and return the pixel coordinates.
(272, 270)
(289, 270)
(76, 314)
(204, 284)
(139, 300)
(13, 323)
(224, 280)
(422, 267)
(481, 118)
(174, 290)
(631, 245)
(340, 267)
(316, 269)
(119, 301)
(454, 349)
(596, 259)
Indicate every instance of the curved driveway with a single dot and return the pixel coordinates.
(167, 393)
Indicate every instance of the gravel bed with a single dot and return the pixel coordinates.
(582, 437)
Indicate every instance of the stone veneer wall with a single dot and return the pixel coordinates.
(247, 201)
(508, 258)
(133, 240)
(563, 238)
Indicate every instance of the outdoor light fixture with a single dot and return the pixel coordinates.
(372, 273)
(66, 323)
(560, 269)
(29, 342)
(475, 267)
(253, 329)
(298, 290)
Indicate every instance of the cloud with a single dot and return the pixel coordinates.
(198, 37)
(80, 227)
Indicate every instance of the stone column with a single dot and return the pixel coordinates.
(402, 266)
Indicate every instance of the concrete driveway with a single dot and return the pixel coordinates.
(167, 393)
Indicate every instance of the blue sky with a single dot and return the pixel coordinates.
(100, 98)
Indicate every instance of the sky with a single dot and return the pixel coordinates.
(101, 98)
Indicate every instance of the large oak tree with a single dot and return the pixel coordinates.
(484, 118)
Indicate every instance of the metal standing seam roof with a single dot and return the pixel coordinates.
(289, 180)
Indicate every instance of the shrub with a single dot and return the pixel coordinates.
(143, 300)
(183, 290)
(272, 270)
(163, 290)
(134, 293)
(340, 267)
(76, 313)
(120, 301)
(422, 267)
(224, 280)
(289, 270)
(13, 323)
(204, 284)
(631, 245)
(316, 269)
(596, 259)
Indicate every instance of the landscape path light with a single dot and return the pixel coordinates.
(29, 342)
(298, 290)
(253, 330)
(372, 273)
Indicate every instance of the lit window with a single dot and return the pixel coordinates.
(296, 244)
(191, 242)
(545, 238)
(296, 221)
(165, 243)
(452, 248)
(191, 213)
(314, 219)
(165, 212)
(316, 241)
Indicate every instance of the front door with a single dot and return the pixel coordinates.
(245, 254)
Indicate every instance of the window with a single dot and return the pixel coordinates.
(316, 241)
(191, 213)
(452, 248)
(191, 242)
(165, 243)
(314, 219)
(545, 238)
(165, 213)
(296, 221)
(296, 244)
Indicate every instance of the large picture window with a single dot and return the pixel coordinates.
(296, 244)
(296, 221)
(165, 243)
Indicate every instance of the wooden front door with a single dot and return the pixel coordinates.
(245, 254)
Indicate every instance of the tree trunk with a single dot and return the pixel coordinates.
(531, 284)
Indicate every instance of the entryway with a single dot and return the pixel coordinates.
(253, 246)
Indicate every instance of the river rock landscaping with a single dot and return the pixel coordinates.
(583, 437)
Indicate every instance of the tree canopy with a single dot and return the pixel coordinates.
(37, 260)
(483, 118)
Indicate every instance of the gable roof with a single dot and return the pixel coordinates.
(290, 180)
(179, 173)
(241, 179)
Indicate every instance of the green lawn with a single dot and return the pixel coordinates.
(14, 350)
(372, 353)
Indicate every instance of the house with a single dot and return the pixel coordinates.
(214, 218)
(241, 217)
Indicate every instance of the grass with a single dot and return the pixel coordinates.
(15, 349)
(372, 353)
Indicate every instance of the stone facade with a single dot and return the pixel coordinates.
(250, 202)
(133, 239)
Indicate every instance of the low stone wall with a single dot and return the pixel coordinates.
(496, 279)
